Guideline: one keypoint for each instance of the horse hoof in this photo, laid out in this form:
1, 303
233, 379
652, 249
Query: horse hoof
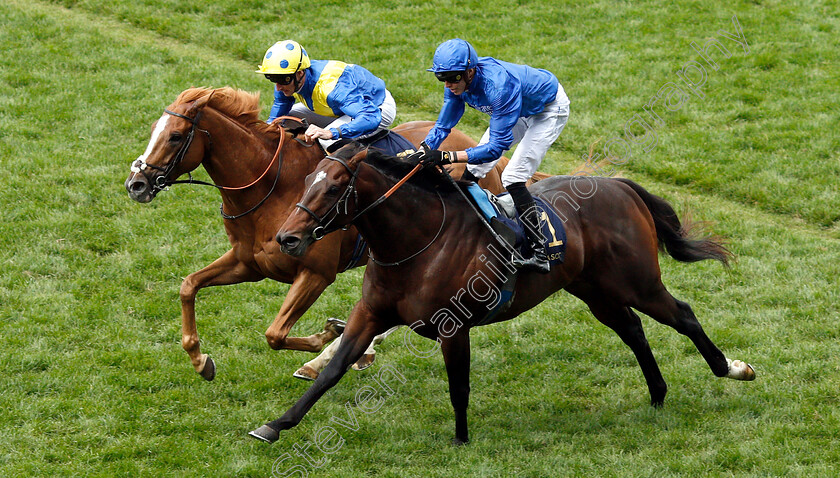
749, 373
306, 373
208, 372
335, 326
364, 362
265, 433
739, 370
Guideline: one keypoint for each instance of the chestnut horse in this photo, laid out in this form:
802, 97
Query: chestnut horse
259, 182
613, 229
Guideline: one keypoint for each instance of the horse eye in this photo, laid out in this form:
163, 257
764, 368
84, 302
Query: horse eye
175, 137
332, 190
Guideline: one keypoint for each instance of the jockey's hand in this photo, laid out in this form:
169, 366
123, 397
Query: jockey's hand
414, 156
314, 132
436, 157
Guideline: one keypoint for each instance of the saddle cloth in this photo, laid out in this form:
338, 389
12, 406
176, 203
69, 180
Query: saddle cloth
501, 209
387, 141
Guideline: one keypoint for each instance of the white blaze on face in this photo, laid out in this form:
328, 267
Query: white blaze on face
159, 127
318, 178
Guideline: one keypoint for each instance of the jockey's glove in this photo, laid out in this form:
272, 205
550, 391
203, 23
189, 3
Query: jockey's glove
436, 157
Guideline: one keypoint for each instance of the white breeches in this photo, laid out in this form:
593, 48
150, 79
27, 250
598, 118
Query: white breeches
533, 135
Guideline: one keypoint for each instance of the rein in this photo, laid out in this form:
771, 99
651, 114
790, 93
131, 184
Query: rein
163, 181
323, 229
277, 157
442, 222
391, 191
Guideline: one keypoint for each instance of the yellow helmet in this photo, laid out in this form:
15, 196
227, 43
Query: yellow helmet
284, 58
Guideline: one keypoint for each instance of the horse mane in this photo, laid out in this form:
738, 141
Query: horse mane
396, 168
242, 106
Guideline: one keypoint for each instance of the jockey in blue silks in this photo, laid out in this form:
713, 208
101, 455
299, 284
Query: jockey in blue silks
526, 106
338, 99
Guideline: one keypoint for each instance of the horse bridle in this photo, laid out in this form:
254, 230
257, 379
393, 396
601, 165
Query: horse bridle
324, 226
163, 181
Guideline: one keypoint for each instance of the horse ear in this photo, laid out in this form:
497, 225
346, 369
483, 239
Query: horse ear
357, 158
200, 103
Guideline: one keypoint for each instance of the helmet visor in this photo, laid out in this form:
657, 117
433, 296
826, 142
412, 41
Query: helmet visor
449, 76
280, 79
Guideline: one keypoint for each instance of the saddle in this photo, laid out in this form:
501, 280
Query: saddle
386, 140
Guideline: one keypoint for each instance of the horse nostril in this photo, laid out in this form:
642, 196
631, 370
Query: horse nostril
289, 242
137, 187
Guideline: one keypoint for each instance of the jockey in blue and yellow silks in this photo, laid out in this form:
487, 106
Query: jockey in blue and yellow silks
338, 99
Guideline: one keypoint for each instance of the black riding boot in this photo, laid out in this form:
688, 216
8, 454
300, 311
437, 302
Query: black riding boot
528, 212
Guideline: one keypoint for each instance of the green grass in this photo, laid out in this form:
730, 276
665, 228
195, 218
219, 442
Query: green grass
93, 381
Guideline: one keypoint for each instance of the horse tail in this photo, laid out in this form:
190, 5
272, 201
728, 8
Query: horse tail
675, 237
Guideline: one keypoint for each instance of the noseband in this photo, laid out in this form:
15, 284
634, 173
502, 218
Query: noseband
162, 181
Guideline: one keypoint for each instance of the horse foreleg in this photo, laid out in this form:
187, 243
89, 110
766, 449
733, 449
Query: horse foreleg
361, 328
305, 290
223, 271
456, 356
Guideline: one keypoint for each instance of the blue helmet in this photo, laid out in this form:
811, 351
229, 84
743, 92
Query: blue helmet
454, 55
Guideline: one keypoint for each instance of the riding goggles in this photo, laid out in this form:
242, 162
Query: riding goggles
450, 76
280, 79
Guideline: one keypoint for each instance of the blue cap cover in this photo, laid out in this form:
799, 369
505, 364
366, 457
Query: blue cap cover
454, 55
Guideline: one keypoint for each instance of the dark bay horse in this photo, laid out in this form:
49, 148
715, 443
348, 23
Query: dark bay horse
614, 229
221, 130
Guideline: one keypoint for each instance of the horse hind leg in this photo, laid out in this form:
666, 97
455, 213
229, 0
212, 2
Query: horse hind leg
664, 308
310, 370
370, 354
624, 322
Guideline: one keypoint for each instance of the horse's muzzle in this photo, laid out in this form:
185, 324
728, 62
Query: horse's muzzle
138, 188
291, 244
